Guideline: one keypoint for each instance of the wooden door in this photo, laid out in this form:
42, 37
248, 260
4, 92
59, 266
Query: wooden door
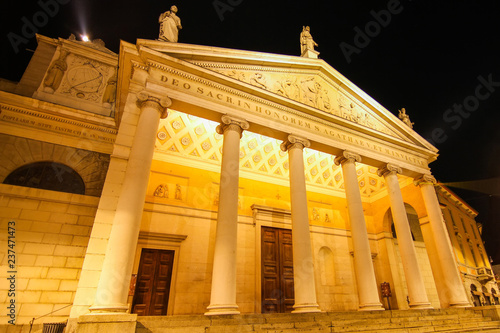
277, 270
153, 282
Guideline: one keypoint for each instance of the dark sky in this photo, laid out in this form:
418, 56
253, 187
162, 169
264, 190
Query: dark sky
434, 58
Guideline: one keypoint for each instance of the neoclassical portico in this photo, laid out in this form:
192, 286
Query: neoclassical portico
298, 108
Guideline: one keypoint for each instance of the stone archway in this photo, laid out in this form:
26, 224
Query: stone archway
91, 166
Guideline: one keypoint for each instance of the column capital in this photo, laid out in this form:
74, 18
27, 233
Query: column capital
160, 103
425, 180
389, 168
347, 156
232, 123
294, 142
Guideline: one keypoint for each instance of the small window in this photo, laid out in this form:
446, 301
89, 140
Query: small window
48, 176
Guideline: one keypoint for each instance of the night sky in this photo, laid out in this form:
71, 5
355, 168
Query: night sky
437, 59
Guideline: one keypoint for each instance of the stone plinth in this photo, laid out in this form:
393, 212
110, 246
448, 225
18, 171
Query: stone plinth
109, 323
310, 54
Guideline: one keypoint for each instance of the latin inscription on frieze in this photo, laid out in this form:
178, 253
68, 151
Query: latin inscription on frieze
249, 105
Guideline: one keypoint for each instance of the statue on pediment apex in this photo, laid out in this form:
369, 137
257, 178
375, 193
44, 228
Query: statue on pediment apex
405, 117
307, 44
170, 24
306, 40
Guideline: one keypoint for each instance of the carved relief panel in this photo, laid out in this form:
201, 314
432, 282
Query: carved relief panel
83, 80
167, 188
312, 90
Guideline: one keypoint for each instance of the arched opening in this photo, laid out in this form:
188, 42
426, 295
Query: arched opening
486, 296
413, 221
495, 296
476, 295
47, 176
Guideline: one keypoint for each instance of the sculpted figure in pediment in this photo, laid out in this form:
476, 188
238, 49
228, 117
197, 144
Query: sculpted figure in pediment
310, 91
237, 75
324, 100
258, 80
289, 88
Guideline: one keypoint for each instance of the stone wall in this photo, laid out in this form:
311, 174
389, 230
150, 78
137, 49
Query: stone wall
51, 232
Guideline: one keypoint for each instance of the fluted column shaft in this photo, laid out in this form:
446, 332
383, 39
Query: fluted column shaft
363, 266
223, 296
414, 281
303, 269
113, 287
455, 292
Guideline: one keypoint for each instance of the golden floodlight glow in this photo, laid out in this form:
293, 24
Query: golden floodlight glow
260, 156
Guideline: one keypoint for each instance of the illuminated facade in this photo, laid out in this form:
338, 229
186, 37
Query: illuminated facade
473, 261
182, 179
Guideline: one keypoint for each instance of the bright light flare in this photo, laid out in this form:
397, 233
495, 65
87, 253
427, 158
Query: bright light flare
85, 38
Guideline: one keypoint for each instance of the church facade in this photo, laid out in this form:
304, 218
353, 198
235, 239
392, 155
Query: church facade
182, 179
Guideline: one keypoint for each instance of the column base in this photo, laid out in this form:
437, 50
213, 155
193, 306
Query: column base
421, 306
109, 323
113, 308
460, 305
371, 307
222, 309
306, 308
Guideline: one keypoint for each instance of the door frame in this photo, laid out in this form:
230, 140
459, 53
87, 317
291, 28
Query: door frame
264, 216
158, 241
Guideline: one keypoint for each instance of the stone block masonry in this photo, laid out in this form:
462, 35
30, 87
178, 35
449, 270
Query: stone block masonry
52, 235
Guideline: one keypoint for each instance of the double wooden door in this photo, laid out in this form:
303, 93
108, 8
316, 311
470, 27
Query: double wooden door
277, 270
153, 282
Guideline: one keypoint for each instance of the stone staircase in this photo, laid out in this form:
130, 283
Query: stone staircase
440, 320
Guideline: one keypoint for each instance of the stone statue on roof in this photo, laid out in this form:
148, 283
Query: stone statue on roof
170, 24
307, 44
405, 117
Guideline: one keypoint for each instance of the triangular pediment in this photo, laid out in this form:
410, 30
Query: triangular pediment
311, 83
299, 95
310, 88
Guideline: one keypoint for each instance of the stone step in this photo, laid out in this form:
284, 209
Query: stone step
423, 321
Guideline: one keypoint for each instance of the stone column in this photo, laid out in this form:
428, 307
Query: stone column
223, 296
414, 281
454, 288
363, 265
113, 287
303, 270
